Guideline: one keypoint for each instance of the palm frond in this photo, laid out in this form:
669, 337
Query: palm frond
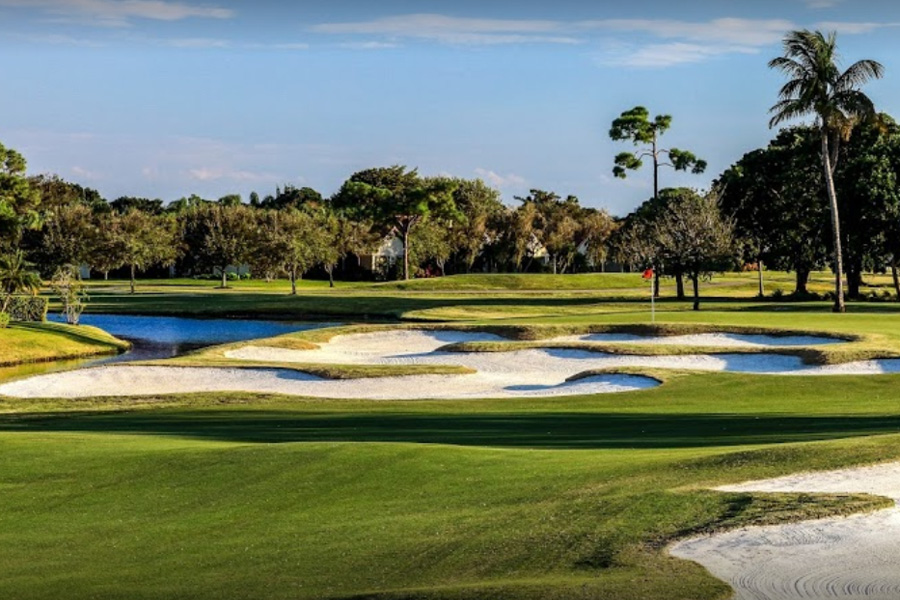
859, 73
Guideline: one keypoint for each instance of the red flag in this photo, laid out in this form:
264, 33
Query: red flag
648, 274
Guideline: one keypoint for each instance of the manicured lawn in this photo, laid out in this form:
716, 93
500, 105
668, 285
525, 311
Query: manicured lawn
242, 497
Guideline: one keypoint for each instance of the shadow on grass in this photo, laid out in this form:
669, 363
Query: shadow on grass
539, 431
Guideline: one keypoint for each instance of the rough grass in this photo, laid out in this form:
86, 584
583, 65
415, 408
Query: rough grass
42, 342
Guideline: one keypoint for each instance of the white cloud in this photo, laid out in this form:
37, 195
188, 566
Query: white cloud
368, 45
221, 173
83, 173
500, 181
455, 30
728, 31
667, 55
120, 13
196, 43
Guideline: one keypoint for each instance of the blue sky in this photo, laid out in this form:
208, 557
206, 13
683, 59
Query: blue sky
166, 98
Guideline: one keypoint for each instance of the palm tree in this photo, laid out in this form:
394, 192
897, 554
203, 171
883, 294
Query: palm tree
16, 276
816, 86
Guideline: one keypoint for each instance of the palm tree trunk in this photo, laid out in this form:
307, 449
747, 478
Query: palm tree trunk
839, 305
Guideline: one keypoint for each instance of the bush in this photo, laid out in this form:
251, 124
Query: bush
778, 294
27, 308
4, 320
247, 276
232, 276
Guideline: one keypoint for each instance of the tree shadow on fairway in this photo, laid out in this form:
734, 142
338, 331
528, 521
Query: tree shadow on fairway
538, 431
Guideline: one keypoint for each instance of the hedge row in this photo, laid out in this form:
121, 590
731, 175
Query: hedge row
28, 308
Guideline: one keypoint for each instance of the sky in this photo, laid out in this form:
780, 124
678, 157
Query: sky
166, 98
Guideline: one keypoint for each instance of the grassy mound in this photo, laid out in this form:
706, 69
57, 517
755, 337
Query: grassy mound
42, 342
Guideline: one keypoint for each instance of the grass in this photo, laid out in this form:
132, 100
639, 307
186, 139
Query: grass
42, 342
239, 496
236, 495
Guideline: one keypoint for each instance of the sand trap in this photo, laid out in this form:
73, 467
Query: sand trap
854, 557
712, 340
534, 372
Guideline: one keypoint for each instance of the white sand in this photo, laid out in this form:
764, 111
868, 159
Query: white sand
849, 558
536, 372
713, 340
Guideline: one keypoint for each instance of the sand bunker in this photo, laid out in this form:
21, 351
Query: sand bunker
520, 373
850, 558
711, 340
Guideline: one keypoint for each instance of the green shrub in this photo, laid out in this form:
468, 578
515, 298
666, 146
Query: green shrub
27, 308
4, 320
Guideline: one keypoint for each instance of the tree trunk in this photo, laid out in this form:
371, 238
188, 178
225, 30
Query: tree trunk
553, 260
679, 285
839, 305
132, 279
105, 275
293, 273
406, 253
802, 280
656, 283
896, 276
224, 278
696, 281
854, 278
759, 269
330, 270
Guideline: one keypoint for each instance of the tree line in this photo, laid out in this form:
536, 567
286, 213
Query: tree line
443, 224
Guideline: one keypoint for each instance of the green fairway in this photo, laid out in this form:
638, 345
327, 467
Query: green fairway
242, 497
237, 495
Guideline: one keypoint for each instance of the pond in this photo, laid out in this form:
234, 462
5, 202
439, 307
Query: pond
164, 337
154, 338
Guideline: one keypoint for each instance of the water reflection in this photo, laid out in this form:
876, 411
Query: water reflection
154, 338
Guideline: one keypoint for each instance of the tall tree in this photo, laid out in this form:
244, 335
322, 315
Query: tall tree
816, 86
146, 240
636, 127
67, 237
226, 235
479, 204
777, 200
19, 200
398, 199
597, 228
692, 232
